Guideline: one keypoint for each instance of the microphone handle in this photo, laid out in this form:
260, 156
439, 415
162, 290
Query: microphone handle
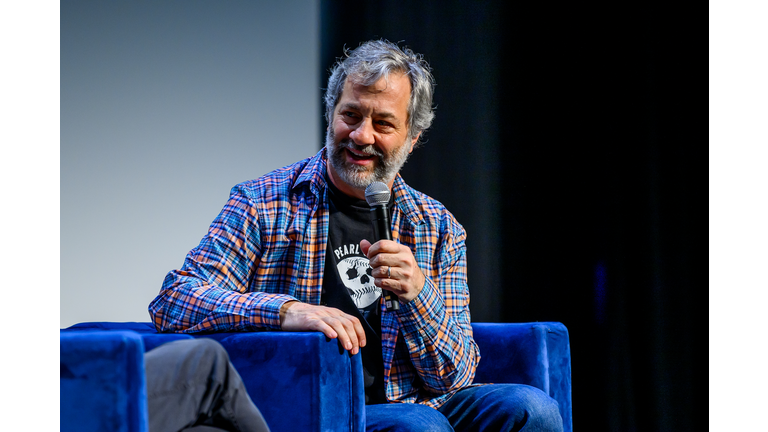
383, 231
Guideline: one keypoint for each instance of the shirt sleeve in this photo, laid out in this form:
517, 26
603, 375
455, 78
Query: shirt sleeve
436, 324
211, 290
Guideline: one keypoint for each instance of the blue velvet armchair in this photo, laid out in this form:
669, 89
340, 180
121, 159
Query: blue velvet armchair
299, 381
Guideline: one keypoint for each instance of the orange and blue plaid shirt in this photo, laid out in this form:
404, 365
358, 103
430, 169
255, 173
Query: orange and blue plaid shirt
267, 247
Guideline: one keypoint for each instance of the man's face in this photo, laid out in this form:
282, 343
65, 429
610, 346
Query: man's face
368, 138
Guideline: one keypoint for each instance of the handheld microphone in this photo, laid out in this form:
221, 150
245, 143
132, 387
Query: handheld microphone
377, 196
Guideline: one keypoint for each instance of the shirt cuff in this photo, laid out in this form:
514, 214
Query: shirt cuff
428, 306
266, 311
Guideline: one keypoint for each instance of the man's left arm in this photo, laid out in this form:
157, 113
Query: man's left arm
434, 311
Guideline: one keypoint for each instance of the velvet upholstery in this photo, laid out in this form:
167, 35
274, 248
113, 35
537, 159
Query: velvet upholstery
536, 354
299, 381
101, 382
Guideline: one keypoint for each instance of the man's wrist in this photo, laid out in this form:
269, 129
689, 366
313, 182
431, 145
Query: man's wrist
426, 307
284, 309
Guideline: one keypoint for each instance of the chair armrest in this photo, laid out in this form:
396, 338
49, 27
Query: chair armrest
299, 381
536, 354
151, 338
102, 382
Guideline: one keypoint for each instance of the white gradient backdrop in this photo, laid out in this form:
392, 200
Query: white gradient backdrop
164, 107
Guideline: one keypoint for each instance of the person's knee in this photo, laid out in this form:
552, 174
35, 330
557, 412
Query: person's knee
398, 417
190, 361
210, 349
537, 410
209, 357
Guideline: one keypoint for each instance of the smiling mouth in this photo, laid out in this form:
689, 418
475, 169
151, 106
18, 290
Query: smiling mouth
360, 156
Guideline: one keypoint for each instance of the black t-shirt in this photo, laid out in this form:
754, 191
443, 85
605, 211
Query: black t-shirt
348, 284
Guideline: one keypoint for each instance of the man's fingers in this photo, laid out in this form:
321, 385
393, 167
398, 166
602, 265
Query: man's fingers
364, 246
327, 330
358, 329
385, 272
395, 269
348, 330
381, 246
332, 322
348, 335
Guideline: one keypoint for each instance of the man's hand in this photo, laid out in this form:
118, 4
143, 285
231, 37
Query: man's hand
332, 322
394, 268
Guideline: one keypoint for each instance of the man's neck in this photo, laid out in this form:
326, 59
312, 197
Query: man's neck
343, 187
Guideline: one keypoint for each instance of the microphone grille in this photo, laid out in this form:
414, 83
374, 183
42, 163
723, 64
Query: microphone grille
377, 193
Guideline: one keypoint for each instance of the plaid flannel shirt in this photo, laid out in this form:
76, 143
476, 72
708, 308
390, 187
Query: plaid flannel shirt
267, 247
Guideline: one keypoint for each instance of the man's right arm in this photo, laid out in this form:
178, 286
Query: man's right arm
211, 290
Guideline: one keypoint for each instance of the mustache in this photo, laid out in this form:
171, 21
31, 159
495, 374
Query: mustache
368, 149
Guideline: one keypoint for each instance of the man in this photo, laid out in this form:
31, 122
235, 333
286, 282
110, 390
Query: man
291, 251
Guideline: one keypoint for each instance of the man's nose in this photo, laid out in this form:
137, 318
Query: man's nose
363, 134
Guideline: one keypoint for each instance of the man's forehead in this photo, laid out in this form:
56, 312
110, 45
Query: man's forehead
382, 84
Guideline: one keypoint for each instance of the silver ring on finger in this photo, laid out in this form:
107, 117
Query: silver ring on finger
389, 272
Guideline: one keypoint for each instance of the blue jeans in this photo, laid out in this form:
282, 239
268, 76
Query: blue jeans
493, 407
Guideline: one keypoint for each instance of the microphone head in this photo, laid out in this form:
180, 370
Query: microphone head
376, 194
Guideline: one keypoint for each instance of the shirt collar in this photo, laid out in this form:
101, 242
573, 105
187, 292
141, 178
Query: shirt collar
313, 174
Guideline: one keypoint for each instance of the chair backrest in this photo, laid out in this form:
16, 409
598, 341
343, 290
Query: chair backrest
537, 354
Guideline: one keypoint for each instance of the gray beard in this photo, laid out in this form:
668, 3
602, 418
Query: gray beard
385, 167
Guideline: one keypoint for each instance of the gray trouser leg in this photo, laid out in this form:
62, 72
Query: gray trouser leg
191, 382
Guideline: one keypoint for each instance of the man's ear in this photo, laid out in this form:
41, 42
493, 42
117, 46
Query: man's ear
413, 142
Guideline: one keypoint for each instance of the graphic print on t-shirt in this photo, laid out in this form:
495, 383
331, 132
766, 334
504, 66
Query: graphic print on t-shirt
355, 272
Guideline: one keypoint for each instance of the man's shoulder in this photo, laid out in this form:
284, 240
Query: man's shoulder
422, 208
281, 181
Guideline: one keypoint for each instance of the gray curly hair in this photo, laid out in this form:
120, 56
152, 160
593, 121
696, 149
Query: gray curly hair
375, 59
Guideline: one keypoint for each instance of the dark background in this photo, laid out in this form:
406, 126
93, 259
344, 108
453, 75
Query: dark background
570, 141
